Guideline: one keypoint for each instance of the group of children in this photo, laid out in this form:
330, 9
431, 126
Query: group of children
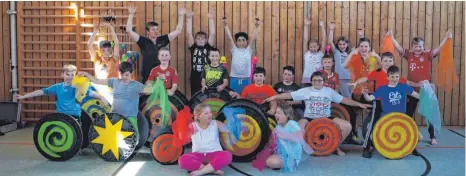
351, 84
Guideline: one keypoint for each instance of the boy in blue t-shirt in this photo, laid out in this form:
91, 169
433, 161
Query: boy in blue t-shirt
66, 101
392, 96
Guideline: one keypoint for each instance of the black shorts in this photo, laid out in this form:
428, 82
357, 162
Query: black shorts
309, 119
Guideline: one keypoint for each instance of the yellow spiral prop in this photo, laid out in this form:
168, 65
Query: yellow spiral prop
395, 135
249, 140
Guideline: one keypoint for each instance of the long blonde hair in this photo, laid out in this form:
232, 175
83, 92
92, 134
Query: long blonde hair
288, 111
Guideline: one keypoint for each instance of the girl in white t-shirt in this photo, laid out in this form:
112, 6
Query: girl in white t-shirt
207, 155
313, 53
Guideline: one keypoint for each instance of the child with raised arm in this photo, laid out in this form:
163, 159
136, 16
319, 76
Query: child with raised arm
151, 44
393, 99
106, 63
318, 99
214, 75
207, 154
360, 62
65, 92
199, 46
242, 50
340, 52
420, 67
313, 53
165, 71
125, 92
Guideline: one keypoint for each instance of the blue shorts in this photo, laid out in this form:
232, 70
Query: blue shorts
238, 84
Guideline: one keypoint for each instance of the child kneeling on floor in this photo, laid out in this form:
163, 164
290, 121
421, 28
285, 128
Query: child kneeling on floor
285, 149
207, 155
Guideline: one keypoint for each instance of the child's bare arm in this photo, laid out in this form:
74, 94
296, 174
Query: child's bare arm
147, 88
436, 51
93, 79
307, 23
116, 47
221, 127
90, 43
415, 95
211, 40
324, 37
36, 93
228, 33
331, 27
398, 47
172, 35
189, 28
252, 44
129, 24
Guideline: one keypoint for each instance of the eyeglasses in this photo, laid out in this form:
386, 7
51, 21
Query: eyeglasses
317, 80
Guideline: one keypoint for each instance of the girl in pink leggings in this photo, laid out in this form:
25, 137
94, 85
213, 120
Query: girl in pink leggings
207, 155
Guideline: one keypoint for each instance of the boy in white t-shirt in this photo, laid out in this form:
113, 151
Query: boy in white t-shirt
318, 99
241, 55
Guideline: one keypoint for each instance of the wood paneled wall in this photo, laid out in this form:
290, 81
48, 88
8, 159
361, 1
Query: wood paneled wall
55, 33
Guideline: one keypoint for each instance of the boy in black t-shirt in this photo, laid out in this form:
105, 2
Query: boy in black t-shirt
151, 44
288, 85
214, 75
199, 47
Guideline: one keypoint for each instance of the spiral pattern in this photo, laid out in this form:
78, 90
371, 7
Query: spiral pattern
395, 135
215, 104
58, 137
163, 151
154, 114
249, 140
323, 135
94, 107
340, 112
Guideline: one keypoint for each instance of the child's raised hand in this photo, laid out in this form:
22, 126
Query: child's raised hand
449, 34
182, 11
321, 23
361, 31
258, 22
331, 25
131, 9
210, 15
189, 14
307, 21
224, 21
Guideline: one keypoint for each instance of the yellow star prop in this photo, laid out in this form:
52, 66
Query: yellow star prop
111, 137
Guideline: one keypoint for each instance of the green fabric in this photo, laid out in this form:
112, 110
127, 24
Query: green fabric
134, 122
160, 94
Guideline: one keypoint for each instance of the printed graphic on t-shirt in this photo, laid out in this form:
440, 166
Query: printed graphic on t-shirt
213, 76
319, 106
394, 98
414, 66
199, 59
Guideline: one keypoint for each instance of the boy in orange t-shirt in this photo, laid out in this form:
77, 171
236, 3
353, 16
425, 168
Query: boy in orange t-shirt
259, 91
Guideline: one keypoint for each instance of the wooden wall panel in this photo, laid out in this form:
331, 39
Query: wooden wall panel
53, 34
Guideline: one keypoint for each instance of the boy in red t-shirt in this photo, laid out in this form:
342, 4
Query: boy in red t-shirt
332, 79
420, 66
164, 71
259, 91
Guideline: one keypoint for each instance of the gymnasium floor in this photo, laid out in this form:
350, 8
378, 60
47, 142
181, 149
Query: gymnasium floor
18, 156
